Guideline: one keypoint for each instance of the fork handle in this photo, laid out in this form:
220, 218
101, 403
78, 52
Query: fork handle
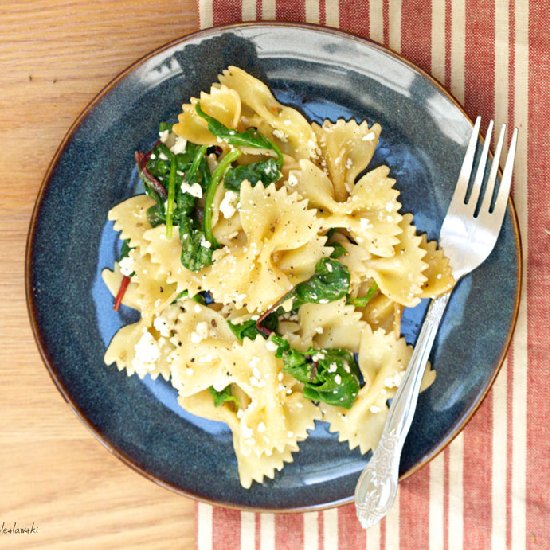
377, 487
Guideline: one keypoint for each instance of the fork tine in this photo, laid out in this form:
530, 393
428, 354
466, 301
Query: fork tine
486, 205
480, 173
464, 177
506, 181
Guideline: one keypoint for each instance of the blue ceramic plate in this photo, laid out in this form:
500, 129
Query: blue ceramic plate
325, 74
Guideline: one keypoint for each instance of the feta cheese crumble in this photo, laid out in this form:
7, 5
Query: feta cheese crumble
228, 204
279, 134
146, 354
200, 333
194, 190
127, 266
365, 223
161, 325
393, 381
270, 345
179, 146
292, 179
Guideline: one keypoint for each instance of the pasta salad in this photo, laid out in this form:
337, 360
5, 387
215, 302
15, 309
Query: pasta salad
271, 271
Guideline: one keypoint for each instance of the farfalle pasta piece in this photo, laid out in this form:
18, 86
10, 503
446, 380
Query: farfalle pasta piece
439, 275
251, 467
401, 276
204, 354
274, 223
156, 293
380, 312
347, 148
290, 164
287, 126
203, 343
197, 367
370, 214
113, 280
267, 427
130, 217
354, 259
277, 416
148, 291
228, 230
382, 359
257, 468
137, 349
221, 103
165, 254
226, 220
332, 325
297, 263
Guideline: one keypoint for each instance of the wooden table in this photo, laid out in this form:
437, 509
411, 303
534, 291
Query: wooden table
55, 56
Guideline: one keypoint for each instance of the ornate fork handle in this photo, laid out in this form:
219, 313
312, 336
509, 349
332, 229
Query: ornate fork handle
377, 486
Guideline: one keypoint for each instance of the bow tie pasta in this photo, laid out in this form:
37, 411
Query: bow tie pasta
347, 149
281, 249
370, 213
270, 268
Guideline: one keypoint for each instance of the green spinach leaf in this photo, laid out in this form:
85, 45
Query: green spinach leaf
249, 138
328, 375
249, 329
125, 249
194, 255
338, 250
224, 396
362, 301
266, 171
330, 282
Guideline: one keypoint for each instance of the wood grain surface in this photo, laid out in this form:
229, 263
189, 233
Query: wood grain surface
54, 57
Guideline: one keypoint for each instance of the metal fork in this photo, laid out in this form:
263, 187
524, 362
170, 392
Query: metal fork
468, 234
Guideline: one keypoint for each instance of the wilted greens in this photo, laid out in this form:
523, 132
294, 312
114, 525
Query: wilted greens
328, 375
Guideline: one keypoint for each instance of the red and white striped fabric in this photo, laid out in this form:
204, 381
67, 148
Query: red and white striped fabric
489, 488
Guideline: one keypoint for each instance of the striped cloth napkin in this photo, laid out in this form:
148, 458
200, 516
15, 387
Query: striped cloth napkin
489, 488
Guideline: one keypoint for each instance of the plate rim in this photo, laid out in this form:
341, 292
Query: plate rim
449, 436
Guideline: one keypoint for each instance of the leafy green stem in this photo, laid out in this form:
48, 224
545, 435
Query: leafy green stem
217, 176
191, 175
170, 201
